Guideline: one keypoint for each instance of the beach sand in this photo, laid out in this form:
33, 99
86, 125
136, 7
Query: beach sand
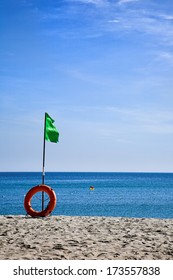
82, 238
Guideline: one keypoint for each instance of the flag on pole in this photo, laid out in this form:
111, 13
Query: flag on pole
51, 133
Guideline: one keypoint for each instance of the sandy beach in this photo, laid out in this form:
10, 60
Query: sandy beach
82, 238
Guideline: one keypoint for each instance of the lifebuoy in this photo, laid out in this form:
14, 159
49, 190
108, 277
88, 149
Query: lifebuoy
51, 205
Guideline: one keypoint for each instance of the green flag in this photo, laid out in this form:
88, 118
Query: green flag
51, 133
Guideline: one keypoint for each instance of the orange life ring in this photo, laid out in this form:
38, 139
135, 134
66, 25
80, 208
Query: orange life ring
51, 204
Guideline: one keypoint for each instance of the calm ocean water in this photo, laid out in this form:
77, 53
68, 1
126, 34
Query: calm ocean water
115, 194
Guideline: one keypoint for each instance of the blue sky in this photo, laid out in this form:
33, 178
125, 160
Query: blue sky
103, 69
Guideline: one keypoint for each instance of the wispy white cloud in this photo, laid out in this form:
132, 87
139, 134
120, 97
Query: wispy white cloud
143, 21
104, 2
95, 2
120, 2
153, 120
165, 56
166, 16
105, 16
85, 76
123, 119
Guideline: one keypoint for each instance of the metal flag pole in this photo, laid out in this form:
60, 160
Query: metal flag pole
43, 170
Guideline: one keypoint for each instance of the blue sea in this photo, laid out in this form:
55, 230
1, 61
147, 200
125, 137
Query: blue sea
148, 195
